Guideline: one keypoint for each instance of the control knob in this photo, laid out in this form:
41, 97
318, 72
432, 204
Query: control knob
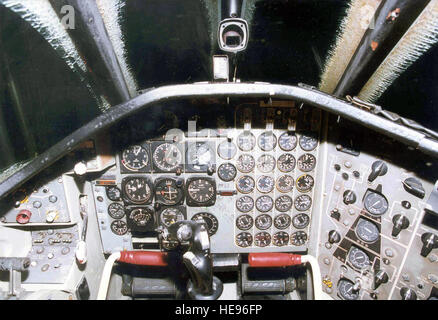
380, 277
408, 294
349, 197
400, 223
334, 236
378, 168
430, 241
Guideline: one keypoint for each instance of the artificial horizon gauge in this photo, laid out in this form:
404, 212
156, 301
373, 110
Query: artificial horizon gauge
262, 239
116, 210
135, 158
265, 184
263, 222
308, 142
119, 227
264, 203
285, 183
306, 162
305, 183
200, 156
246, 141
367, 231
201, 191
244, 239
245, 204
170, 216
267, 141
227, 150
303, 202
282, 221
137, 190
141, 216
227, 172
244, 222
245, 184
169, 191
286, 162
113, 193
245, 163
280, 239
346, 290
167, 157
266, 163
287, 141
298, 238
283, 203
301, 220
358, 258
375, 203
210, 220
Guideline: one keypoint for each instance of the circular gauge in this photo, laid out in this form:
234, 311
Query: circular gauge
262, 239
301, 220
358, 258
201, 190
141, 216
167, 157
244, 239
263, 222
116, 211
113, 193
287, 141
280, 239
267, 141
286, 162
285, 183
119, 227
375, 203
171, 215
245, 184
266, 163
227, 150
264, 203
305, 183
303, 202
168, 191
283, 203
282, 221
306, 162
246, 141
265, 184
298, 238
367, 231
308, 142
245, 204
227, 172
138, 190
200, 156
244, 222
346, 290
245, 163
210, 220
135, 158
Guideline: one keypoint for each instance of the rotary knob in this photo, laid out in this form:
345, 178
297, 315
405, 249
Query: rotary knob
408, 294
400, 223
430, 241
378, 168
380, 277
334, 236
349, 197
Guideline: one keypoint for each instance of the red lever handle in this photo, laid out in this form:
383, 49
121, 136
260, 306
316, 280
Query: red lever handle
273, 259
144, 258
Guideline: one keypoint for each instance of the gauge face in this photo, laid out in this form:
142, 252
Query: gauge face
262, 239
245, 184
303, 202
263, 222
244, 222
167, 157
280, 239
308, 142
298, 238
358, 258
286, 162
138, 190
376, 204
170, 216
200, 156
305, 183
264, 203
116, 211
227, 172
306, 162
283, 203
267, 141
113, 193
245, 204
367, 231
141, 216
266, 163
246, 141
202, 191
168, 191
244, 239
301, 220
210, 220
285, 183
265, 184
346, 291
119, 227
135, 158
282, 221
227, 150
288, 141
245, 163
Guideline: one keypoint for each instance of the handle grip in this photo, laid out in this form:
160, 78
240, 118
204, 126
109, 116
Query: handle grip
273, 259
144, 258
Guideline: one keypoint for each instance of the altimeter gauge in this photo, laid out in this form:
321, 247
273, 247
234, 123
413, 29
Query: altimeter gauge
135, 158
137, 190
